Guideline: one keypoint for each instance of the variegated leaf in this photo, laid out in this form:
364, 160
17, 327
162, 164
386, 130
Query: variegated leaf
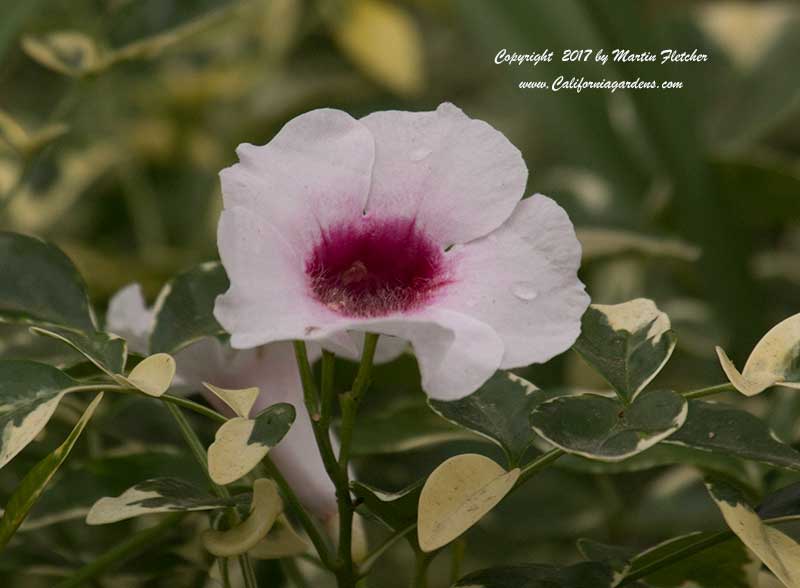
457, 495
602, 428
627, 344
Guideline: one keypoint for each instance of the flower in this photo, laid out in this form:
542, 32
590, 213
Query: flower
409, 224
270, 367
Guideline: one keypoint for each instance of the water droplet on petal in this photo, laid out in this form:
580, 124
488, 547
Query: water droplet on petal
419, 154
524, 291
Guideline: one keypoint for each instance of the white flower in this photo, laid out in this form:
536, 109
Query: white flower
270, 367
402, 223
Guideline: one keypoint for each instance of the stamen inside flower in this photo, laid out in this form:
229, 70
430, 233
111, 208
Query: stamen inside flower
374, 268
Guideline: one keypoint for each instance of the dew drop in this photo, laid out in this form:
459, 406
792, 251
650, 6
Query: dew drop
524, 291
419, 154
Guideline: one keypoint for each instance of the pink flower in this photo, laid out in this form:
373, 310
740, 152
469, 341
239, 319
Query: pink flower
408, 224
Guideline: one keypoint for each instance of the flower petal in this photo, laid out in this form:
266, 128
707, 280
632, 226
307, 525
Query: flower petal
522, 281
315, 172
128, 317
458, 177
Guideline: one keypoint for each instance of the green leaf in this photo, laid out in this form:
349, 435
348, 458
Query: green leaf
779, 552
720, 428
240, 444
582, 575
614, 556
40, 285
781, 503
107, 352
397, 510
184, 311
403, 429
34, 483
726, 564
498, 411
29, 395
155, 496
627, 343
602, 428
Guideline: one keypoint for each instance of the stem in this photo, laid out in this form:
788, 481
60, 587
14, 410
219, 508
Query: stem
292, 573
199, 452
194, 406
370, 560
538, 464
125, 550
420, 579
349, 404
311, 529
328, 371
710, 541
459, 548
702, 392
310, 394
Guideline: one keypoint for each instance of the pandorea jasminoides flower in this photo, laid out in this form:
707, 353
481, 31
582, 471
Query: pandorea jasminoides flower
270, 367
409, 224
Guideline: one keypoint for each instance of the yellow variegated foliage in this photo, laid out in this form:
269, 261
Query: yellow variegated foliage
384, 41
231, 456
779, 552
153, 375
240, 401
264, 511
67, 52
772, 361
457, 495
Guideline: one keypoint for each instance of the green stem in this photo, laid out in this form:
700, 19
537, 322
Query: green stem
310, 393
423, 562
311, 529
366, 566
292, 573
194, 407
350, 402
140, 542
222, 562
702, 392
199, 452
697, 547
328, 372
459, 547
538, 464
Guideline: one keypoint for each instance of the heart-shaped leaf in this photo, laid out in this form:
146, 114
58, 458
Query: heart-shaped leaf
184, 311
779, 552
153, 375
240, 443
40, 285
721, 428
774, 361
107, 352
627, 343
34, 483
155, 496
240, 401
602, 428
264, 510
498, 411
582, 575
457, 495
29, 395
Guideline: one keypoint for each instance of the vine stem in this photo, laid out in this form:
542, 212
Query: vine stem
122, 551
349, 403
423, 562
199, 453
711, 390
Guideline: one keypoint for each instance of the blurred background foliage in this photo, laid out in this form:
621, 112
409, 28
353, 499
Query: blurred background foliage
116, 116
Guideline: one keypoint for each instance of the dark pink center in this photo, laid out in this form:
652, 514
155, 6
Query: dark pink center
374, 268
